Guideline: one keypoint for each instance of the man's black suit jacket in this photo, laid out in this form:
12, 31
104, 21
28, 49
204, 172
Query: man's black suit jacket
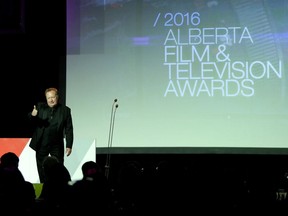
39, 122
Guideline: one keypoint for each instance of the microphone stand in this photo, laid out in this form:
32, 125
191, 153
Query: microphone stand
110, 137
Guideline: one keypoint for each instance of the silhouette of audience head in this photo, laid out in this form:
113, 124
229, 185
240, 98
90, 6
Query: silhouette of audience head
91, 169
92, 190
49, 162
17, 195
54, 170
9, 160
55, 192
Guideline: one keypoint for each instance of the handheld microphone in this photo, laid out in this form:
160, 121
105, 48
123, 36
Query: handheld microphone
110, 137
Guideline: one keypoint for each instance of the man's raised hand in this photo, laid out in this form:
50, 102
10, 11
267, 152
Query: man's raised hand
34, 111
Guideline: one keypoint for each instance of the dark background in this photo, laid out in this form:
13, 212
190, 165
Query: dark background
33, 58
33, 49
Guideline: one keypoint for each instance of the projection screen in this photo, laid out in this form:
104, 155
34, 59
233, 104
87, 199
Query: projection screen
186, 75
